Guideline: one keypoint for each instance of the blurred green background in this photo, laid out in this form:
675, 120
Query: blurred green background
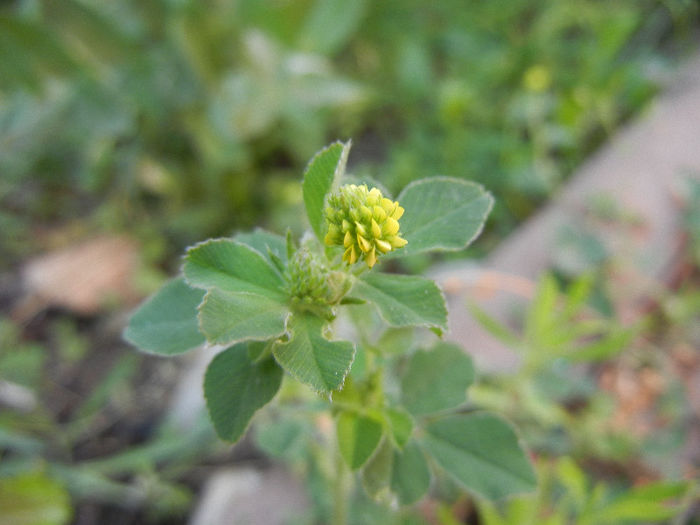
177, 120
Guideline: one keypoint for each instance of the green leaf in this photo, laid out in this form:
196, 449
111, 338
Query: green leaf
22, 364
285, 439
232, 267
541, 316
660, 490
310, 357
330, 24
322, 173
636, 511
658, 501
16, 69
265, 243
166, 323
229, 317
606, 347
235, 388
436, 380
493, 325
39, 49
442, 213
482, 452
101, 38
410, 476
574, 480
523, 509
376, 474
33, 499
358, 437
258, 349
400, 424
403, 300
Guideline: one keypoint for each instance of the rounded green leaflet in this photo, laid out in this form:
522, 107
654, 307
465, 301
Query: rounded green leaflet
358, 437
166, 323
403, 300
231, 266
310, 357
410, 477
442, 214
235, 388
436, 380
229, 317
376, 473
482, 452
323, 172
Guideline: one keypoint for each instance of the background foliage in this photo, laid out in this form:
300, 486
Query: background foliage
179, 119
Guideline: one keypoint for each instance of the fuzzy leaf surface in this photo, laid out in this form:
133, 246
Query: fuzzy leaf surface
229, 317
235, 388
310, 357
436, 380
442, 213
321, 174
358, 437
482, 452
231, 267
403, 300
166, 323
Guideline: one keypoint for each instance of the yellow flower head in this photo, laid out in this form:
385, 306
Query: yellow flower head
364, 222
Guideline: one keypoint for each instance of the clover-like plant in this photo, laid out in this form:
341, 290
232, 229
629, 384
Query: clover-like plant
270, 303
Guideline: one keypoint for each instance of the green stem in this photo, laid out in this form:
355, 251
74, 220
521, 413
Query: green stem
341, 490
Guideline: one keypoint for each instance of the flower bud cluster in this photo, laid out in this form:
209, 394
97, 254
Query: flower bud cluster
364, 222
307, 277
311, 284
